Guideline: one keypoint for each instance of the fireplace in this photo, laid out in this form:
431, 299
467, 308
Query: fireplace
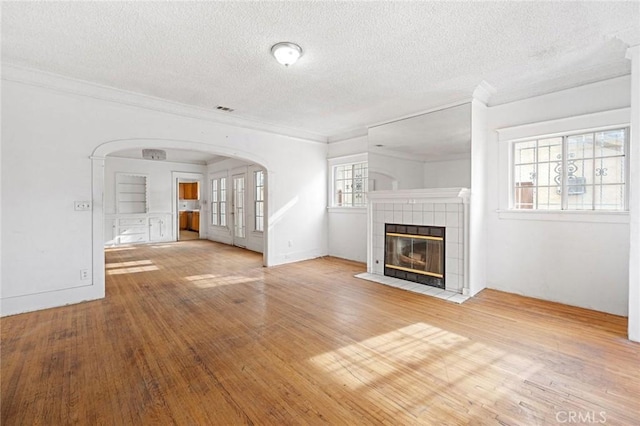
443, 211
415, 253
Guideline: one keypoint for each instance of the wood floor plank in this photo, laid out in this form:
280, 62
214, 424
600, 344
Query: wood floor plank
200, 333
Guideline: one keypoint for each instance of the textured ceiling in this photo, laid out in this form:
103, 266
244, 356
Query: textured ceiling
363, 63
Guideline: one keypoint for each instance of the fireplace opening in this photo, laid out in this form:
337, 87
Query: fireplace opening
415, 253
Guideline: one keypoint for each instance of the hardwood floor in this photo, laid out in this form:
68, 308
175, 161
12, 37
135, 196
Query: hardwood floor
200, 333
186, 235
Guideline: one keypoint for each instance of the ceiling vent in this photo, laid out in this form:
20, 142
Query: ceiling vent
224, 108
154, 154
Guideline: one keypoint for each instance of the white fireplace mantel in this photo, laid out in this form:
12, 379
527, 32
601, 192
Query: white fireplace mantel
424, 195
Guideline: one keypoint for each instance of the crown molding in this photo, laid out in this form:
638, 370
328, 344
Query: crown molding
483, 92
68, 85
630, 36
348, 134
428, 111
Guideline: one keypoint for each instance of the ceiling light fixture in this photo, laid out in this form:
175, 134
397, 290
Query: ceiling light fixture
154, 154
286, 53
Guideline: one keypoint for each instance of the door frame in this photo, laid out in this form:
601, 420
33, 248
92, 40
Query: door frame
176, 178
241, 171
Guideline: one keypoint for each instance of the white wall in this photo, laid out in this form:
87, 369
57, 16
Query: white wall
159, 182
348, 226
448, 174
477, 244
579, 260
48, 137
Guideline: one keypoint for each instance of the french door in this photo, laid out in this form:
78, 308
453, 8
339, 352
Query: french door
239, 210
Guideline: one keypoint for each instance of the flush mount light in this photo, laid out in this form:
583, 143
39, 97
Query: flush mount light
286, 53
154, 154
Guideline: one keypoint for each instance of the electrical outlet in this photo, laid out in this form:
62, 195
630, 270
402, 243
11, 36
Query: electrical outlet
84, 274
82, 205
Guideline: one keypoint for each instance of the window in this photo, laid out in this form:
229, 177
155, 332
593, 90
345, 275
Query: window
350, 185
239, 205
586, 171
258, 179
219, 201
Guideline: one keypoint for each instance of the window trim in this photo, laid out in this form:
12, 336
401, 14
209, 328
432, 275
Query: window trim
615, 118
342, 161
218, 177
256, 201
564, 199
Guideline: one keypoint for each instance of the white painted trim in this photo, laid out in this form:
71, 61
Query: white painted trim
97, 225
52, 299
565, 216
175, 217
337, 161
59, 83
483, 92
416, 114
108, 147
603, 120
348, 134
633, 53
577, 124
348, 159
434, 195
348, 210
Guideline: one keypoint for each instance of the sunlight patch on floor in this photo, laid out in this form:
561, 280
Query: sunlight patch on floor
211, 280
127, 264
419, 363
113, 249
133, 270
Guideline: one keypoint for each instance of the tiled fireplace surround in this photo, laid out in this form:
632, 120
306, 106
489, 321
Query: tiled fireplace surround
448, 207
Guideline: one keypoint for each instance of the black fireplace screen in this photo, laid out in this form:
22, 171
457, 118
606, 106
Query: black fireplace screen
415, 253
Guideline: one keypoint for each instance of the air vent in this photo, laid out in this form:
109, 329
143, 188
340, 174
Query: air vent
224, 108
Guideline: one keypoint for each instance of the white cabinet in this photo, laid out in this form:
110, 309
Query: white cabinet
157, 228
110, 231
138, 228
132, 230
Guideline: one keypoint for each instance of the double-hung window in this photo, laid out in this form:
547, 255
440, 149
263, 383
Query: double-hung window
258, 180
219, 201
581, 171
350, 185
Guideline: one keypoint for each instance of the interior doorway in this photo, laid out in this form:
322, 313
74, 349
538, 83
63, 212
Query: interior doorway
189, 200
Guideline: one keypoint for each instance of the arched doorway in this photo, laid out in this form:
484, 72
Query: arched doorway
99, 157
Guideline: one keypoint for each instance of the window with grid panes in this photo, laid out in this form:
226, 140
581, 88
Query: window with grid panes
350, 185
258, 178
585, 171
218, 202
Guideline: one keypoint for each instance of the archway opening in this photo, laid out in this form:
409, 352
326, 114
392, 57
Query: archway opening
136, 200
